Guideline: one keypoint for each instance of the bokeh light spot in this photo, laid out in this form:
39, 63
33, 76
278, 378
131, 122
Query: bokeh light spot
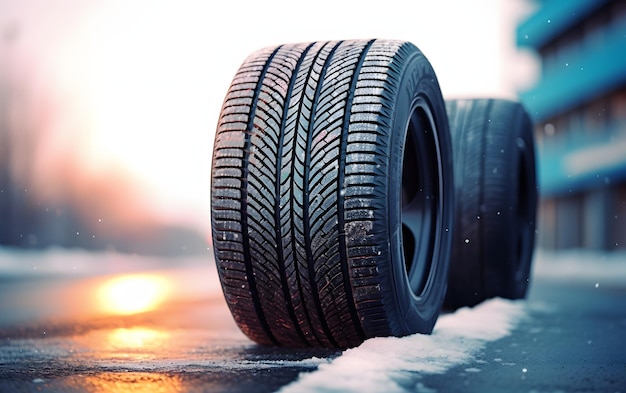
132, 294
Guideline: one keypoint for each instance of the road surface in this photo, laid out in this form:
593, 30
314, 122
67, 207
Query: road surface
57, 336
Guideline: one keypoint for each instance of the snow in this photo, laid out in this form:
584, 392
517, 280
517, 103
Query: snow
574, 265
385, 364
59, 262
581, 267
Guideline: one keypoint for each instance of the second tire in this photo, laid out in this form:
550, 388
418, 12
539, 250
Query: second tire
496, 200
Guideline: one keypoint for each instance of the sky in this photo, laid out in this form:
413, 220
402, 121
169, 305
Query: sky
138, 85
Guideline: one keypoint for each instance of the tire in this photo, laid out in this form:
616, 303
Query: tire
316, 211
496, 201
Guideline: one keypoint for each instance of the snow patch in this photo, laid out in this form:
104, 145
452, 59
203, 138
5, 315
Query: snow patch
384, 364
69, 263
581, 266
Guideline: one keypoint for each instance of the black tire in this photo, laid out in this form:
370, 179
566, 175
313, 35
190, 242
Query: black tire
496, 201
332, 176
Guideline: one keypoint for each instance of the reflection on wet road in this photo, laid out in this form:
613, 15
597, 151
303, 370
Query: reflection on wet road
75, 331
127, 382
145, 328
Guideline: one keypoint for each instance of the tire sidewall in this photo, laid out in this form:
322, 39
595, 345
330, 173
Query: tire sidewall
496, 200
419, 87
517, 273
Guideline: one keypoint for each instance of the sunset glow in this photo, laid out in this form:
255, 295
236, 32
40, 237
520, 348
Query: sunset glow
133, 90
137, 338
133, 294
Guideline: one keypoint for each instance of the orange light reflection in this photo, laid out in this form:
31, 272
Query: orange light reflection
137, 338
135, 382
132, 294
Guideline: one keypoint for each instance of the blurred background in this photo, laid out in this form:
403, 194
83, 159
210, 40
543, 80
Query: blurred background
579, 106
108, 108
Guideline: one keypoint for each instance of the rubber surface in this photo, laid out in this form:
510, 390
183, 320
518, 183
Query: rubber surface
308, 196
496, 200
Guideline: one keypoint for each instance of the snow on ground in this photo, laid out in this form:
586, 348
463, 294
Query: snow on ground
570, 266
59, 262
581, 266
386, 364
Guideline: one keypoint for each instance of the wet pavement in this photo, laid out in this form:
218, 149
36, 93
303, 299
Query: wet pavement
574, 340
146, 325
61, 333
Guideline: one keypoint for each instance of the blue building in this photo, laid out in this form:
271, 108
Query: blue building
579, 108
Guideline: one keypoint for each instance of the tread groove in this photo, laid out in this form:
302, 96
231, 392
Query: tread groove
244, 190
277, 189
306, 202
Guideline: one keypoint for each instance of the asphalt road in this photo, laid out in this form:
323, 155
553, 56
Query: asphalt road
573, 340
